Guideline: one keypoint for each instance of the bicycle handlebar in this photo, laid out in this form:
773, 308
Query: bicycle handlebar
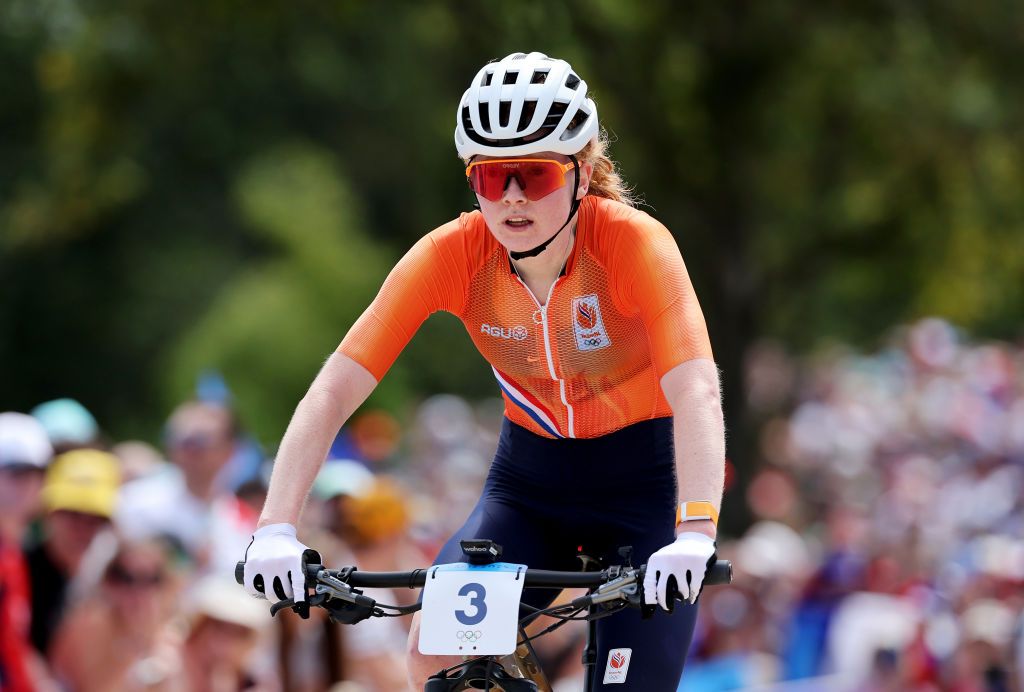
609, 590
719, 573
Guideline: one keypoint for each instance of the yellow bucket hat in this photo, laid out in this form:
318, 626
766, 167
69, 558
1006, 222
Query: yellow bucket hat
83, 480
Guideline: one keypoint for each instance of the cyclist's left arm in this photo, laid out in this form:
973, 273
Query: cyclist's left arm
655, 280
693, 391
652, 278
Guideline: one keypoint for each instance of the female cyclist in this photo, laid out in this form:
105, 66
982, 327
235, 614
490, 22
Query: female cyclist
613, 431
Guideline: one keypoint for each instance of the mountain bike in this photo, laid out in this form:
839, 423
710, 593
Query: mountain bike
512, 666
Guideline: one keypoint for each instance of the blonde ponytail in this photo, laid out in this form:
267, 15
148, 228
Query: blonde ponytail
606, 181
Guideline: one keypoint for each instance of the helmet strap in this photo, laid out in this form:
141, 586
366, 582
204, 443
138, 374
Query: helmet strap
572, 212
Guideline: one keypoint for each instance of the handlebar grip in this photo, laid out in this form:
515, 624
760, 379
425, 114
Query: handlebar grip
720, 573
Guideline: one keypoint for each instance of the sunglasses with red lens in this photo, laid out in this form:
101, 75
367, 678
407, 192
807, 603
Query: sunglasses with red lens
537, 178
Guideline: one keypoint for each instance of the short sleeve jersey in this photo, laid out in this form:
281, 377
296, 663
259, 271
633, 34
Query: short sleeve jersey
585, 360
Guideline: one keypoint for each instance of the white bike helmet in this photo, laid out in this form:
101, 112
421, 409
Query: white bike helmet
524, 104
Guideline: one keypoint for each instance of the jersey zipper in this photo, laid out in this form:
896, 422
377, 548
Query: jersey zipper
547, 348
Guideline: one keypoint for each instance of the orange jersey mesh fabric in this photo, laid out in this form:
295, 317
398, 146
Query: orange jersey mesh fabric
587, 362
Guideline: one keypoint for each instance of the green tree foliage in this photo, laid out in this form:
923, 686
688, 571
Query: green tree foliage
192, 185
271, 325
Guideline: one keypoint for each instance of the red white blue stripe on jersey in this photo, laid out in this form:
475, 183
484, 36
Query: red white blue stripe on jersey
528, 403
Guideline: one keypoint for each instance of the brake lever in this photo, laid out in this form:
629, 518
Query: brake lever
620, 588
333, 587
302, 608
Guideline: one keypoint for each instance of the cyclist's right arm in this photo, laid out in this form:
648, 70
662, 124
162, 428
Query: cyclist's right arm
432, 276
275, 554
338, 390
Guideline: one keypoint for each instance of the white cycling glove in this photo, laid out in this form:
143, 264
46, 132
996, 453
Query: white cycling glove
275, 555
687, 560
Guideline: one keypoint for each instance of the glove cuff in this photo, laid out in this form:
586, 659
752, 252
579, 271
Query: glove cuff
694, 536
275, 530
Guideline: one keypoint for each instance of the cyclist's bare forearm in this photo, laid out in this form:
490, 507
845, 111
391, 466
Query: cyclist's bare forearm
338, 390
692, 389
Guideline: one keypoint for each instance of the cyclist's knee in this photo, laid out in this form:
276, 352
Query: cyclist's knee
420, 665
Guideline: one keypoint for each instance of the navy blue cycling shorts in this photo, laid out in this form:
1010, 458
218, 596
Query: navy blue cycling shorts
544, 498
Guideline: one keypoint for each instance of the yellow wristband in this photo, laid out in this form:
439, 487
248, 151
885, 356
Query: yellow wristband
696, 511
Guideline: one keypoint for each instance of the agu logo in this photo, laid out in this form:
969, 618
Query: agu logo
518, 332
618, 666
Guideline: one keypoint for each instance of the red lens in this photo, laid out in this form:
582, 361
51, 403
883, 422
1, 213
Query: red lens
536, 178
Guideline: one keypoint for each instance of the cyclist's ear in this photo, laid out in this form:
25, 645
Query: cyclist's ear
586, 174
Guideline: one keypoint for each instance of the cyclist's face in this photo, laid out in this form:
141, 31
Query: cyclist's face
519, 223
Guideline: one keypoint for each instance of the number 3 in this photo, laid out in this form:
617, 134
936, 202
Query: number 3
476, 601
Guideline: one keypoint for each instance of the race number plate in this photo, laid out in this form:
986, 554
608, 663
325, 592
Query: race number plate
471, 610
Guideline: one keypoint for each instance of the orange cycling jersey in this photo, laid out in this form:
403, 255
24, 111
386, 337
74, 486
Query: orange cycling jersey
584, 362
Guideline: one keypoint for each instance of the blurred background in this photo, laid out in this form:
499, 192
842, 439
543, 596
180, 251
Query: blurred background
198, 199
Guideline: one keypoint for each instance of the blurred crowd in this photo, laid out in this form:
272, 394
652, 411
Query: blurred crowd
886, 553
117, 560
888, 547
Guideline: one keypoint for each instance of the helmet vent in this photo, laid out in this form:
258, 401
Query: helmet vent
529, 108
572, 81
539, 77
486, 81
510, 78
504, 111
555, 114
574, 124
485, 118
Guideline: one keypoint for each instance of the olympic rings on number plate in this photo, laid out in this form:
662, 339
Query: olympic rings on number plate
469, 635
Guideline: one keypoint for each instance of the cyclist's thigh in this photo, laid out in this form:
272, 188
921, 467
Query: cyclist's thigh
525, 537
649, 652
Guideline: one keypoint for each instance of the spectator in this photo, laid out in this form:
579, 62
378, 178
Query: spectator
68, 424
125, 625
225, 631
183, 501
372, 522
25, 451
79, 495
365, 518
138, 459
